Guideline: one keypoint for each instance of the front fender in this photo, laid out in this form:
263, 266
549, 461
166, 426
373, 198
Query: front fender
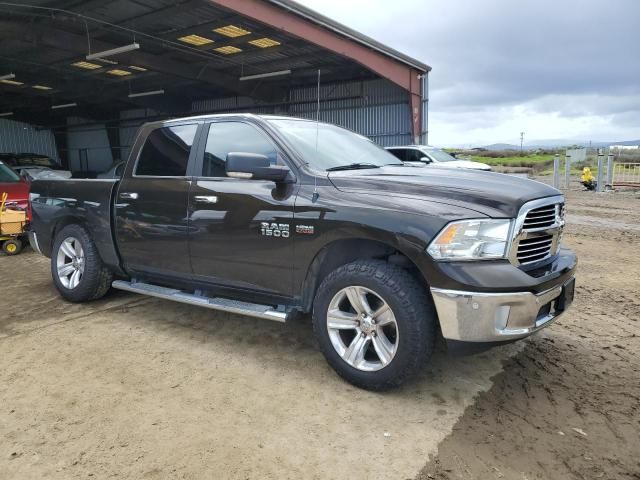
403, 225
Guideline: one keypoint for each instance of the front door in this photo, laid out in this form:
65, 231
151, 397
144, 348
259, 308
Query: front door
152, 204
240, 228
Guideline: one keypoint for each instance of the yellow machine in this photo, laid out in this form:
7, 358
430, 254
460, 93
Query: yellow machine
587, 179
12, 227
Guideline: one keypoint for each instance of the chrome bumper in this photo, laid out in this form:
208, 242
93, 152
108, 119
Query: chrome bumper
494, 317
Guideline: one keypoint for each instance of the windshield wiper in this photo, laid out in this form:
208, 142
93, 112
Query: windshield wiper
352, 166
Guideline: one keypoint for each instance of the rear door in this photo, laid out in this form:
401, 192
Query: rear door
241, 229
151, 206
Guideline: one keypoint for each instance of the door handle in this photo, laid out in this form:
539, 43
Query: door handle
129, 195
205, 199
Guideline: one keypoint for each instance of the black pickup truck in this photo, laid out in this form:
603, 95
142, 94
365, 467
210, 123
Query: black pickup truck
274, 217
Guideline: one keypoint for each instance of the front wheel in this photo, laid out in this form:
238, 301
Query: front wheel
375, 323
76, 266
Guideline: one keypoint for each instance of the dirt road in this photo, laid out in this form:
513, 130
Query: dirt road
132, 387
568, 405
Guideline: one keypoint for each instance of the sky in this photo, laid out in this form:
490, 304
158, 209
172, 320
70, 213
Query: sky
555, 69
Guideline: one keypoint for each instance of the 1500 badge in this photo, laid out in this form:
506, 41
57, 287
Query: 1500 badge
274, 229
282, 229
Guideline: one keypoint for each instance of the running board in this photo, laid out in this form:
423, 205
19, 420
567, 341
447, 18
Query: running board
266, 312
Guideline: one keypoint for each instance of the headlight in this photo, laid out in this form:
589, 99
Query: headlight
472, 240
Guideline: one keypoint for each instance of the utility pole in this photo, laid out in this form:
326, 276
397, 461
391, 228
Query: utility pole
521, 141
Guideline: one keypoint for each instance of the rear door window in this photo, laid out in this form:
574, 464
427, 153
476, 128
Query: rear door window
414, 155
227, 137
399, 153
166, 151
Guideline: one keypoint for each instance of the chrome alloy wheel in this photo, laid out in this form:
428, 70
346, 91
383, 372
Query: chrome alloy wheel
70, 262
362, 328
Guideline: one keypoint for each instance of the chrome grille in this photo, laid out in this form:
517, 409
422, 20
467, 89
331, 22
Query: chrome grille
542, 217
538, 230
534, 249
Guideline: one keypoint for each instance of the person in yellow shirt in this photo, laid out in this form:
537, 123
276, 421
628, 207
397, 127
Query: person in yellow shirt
587, 179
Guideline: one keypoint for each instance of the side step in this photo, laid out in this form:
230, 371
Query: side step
233, 306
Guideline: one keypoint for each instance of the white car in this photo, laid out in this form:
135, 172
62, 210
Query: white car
431, 155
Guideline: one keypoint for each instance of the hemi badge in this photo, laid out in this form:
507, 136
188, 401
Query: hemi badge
304, 229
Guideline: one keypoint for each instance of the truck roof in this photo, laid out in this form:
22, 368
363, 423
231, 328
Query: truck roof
226, 115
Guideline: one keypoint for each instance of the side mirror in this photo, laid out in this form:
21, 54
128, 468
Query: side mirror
425, 159
254, 166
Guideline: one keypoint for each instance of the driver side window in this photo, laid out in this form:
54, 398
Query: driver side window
226, 137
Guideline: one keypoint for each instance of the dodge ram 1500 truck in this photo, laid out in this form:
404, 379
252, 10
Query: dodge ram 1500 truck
274, 217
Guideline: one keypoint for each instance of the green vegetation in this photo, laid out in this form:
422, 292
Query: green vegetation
538, 161
531, 160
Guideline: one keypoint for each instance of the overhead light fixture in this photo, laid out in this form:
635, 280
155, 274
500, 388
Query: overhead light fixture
41, 87
64, 105
195, 40
118, 72
86, 65
265, 75
139, 69
9, 76
146, 94
228, 50
113, 51
6, 114
231, 31
264, 42
11, 82
106, 60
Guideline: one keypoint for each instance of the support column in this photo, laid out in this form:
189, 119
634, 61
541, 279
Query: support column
415, 103
60, 137
424, 137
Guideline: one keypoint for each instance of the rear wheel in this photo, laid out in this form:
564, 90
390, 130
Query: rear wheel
12, 246
76, 266
374, 323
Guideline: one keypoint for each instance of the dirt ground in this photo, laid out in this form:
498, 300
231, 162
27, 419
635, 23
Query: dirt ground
134, 387
568, 405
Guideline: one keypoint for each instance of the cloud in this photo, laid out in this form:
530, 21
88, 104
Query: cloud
568, 65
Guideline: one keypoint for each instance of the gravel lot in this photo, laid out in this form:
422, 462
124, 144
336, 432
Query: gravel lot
134, 387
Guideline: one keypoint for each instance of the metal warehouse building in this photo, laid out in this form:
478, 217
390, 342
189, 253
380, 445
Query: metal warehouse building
78, 77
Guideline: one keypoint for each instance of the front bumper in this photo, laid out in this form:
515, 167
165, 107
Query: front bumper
498, 317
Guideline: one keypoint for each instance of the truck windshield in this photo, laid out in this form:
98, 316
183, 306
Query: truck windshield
8, 175
326, 146
438, 155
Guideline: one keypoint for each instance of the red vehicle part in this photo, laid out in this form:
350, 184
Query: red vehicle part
17, 188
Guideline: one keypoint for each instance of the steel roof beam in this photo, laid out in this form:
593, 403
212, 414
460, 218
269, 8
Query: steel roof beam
76, 44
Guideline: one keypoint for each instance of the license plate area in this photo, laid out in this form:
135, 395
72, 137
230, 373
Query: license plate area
566, 295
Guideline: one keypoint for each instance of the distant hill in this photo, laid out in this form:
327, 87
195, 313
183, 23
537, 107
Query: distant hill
558, 142
626, 142
502, 146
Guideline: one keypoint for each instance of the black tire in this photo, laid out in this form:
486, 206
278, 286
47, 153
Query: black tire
414, 314
96, 278
12, 247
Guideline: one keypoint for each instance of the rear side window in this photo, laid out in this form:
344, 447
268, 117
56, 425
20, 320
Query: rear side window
226, 137
398, 153
414, 155
166, 151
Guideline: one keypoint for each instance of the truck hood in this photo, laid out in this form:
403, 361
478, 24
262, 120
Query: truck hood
492, 194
